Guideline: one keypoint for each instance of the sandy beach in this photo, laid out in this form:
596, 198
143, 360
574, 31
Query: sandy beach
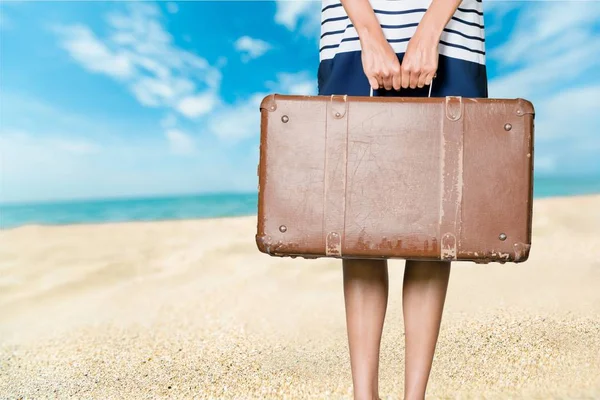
191, 309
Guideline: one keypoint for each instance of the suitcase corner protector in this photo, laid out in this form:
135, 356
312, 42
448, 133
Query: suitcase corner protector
263, 242
524, 107
268, 102
522, 251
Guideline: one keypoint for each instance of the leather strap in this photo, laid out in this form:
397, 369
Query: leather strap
334, 188
451, 177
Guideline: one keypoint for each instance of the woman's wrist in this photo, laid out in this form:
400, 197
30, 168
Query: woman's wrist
431, 27
370, 33
364, 20
436, 18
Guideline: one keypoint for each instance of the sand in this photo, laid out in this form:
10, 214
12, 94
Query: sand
191, 309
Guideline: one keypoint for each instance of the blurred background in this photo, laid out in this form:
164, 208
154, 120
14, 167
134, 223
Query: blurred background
147, 114
117, 111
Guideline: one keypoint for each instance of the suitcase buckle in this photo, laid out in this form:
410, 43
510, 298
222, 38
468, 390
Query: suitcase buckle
454, 107
339, 105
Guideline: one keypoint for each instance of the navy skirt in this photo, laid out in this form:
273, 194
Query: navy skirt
344, 74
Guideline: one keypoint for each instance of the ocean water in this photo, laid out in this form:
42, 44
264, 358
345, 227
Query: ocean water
201, 206
122, 210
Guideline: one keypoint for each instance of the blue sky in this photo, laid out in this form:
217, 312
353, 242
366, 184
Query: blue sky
138, 98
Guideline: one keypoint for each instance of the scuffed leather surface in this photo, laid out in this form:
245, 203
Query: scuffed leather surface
418, 178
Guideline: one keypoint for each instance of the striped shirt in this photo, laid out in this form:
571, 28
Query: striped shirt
463, 37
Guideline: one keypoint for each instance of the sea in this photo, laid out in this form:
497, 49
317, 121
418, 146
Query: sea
199, 206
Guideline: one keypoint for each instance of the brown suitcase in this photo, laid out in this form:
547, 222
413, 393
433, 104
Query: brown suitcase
444, 178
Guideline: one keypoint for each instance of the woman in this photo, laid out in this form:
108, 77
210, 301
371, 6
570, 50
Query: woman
397, 47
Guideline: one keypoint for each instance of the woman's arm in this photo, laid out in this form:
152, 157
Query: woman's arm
380, 63
421, 59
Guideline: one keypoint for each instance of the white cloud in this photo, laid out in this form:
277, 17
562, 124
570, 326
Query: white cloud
550, 48
139, 52
195, 106
170, 121
551, 59
90, 52
300, 83
251, 48
543, 77
66, 143
544, 30
76, 146
304, 88
21, 150
35, 166
180, 142
288, 12
572, 116
172, 7
152, 92
232, 123
499, 8
20, 112
238, 121
294, 14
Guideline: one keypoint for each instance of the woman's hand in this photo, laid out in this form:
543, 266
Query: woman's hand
419, 64
420, 61
380, 62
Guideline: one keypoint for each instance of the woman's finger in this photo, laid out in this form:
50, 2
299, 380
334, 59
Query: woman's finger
397, 80
423, 80
405, 73
396, 76
415, 74
387, 81
429, 78
373, 82
379, 81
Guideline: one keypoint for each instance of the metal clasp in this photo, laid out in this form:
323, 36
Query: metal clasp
454, 107
339, 105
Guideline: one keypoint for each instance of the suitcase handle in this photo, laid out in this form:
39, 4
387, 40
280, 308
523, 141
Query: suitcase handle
430, 85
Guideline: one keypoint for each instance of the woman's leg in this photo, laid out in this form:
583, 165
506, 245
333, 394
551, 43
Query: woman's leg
365, 296
423, 296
